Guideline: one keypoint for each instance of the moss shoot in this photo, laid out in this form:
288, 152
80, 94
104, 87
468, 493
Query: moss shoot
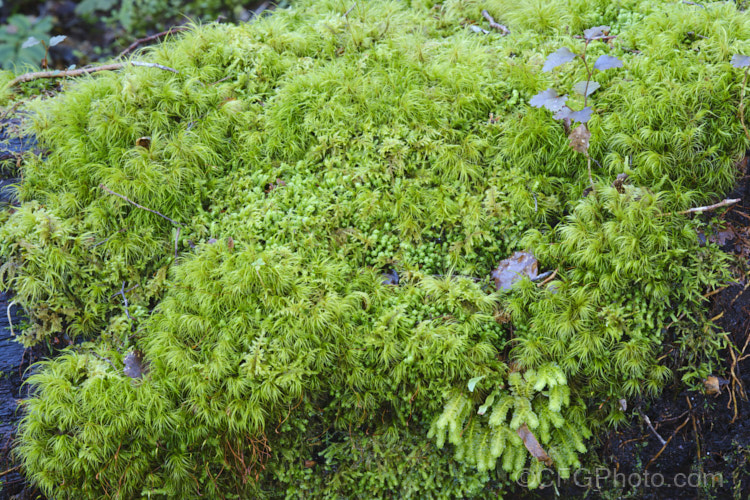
298, 164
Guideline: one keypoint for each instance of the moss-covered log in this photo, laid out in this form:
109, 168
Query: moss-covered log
307, 162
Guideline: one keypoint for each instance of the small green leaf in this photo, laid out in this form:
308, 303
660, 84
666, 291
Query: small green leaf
473, 382
56, 40
30, 42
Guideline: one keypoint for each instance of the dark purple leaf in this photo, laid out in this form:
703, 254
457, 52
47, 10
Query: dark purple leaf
580, 87
581, 116
595, 32
548, 99
559, 57
607, 62
390, 278
135, 365
563, 113
514, 268
740, 61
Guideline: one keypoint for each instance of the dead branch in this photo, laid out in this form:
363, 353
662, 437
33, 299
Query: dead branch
152, 38
696, 210
495, 25
105, 188
28, 77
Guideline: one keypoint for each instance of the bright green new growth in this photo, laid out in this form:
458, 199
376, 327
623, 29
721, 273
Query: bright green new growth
306, 155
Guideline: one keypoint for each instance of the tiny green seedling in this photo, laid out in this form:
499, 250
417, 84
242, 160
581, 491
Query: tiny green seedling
579, 137
32, 41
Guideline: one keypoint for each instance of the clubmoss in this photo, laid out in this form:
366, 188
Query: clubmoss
293, 162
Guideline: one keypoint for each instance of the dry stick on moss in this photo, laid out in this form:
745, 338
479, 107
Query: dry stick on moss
495, 25
152, 38
179, 226
697, 210
27, 77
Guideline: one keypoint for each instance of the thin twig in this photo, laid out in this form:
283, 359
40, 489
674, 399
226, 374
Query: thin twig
695, 431
696, 210
10, 320
548, 279
105, 188
126, 291
176, 238
495, 25
346, 14
152, 38
667, 443
125, 301
10, 470
107, 239
27, 77
648, 423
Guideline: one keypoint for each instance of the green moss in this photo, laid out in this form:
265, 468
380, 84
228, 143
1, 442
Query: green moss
305, 155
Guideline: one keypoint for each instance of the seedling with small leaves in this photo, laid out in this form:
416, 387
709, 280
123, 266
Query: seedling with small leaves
549, 99
32, 41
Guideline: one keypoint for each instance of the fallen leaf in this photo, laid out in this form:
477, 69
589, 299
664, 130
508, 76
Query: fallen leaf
711, 384
722, 237
579, 139
390, 278
514, 268
144, 142
623, 404
230, 243
135, 365
531, 443
310, 463
595, 32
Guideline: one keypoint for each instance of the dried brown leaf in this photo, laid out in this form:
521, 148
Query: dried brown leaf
579, 139
531, 443
144, 142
